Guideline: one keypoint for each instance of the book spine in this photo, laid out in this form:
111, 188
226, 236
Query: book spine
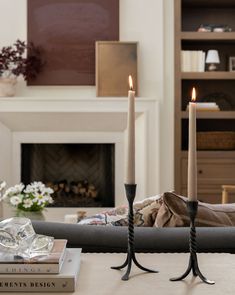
193, 61
6, 268
182, 61
37, 284
188, 61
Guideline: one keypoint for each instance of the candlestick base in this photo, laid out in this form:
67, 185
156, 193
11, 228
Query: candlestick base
193, 262
130, 194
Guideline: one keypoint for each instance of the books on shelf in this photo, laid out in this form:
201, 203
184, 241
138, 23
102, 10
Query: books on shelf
65, 281
206, 106
193, 61
51, 263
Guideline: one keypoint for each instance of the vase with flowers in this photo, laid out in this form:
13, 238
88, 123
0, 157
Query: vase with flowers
15, 63
29, 200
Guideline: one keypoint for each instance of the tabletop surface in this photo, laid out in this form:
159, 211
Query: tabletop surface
96, 277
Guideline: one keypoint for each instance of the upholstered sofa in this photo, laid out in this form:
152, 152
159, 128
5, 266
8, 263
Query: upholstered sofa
162, 225
147, 239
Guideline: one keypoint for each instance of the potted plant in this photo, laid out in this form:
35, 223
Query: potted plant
15, 63
29, 200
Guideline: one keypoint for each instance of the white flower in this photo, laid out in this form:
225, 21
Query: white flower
13, 191
27, 203
40, 199
15, 200
2, 185
47, 191
34, 187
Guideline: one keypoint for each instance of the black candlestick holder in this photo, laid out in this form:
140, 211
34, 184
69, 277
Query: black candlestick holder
193, 262
130, 194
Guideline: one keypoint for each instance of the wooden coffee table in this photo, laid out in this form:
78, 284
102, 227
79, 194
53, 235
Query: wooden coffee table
96, 277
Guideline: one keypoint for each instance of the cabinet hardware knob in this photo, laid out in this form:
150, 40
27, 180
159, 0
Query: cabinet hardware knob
200, 171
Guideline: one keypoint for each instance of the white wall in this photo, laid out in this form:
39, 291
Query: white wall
140, 20
167, 102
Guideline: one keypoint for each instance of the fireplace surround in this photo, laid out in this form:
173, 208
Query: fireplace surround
50, 120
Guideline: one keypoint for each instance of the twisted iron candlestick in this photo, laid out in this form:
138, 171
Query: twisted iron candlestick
193, 262
130, 194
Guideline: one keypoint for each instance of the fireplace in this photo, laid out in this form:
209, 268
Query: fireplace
82, 175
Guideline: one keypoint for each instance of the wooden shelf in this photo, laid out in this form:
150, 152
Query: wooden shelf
211, 154
189, 16
208, 75
208, 37
211, 115
209, 3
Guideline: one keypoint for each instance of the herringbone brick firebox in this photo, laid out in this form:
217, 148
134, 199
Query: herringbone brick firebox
82, 175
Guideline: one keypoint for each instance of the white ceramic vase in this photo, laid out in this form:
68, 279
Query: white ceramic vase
7, 86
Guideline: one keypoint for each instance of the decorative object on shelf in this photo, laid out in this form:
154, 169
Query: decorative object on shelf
193, 261
216, 140
231, 64
130, 186
192, 203
14, 63
212, 59
214, 28
7, 87
67, 31
17, 237
30, 199
204, 28
114, 62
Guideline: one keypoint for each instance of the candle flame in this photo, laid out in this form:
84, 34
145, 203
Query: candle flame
130, 82
194, 95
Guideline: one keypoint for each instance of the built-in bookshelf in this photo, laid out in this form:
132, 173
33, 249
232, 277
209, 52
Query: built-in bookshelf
215, 168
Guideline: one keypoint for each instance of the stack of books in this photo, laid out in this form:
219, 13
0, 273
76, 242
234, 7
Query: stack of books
193, 61
56, 272
206, 106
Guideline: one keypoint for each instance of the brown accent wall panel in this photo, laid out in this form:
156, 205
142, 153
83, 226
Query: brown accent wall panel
67, 30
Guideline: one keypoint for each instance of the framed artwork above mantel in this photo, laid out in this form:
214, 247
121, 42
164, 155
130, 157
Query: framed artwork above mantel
66, 32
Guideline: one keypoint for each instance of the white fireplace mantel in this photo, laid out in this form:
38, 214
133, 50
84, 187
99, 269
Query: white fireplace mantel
58, 119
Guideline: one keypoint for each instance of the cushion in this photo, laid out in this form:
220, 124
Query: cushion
145, 213
174, 213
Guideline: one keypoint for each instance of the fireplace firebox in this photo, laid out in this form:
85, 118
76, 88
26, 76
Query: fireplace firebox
82, 175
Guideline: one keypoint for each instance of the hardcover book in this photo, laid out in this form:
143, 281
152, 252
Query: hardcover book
65, 281
51, 263
206, 106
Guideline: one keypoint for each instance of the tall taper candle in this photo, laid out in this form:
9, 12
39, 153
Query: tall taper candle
192, 150
130, 152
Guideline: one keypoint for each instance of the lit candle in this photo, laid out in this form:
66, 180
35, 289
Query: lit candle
192, 150
130, 154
